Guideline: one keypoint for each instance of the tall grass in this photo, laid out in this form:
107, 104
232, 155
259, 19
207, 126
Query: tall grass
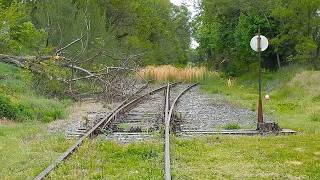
170, 73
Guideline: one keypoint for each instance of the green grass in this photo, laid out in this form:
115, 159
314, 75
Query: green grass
294, 103
26, 149
217, 157
107, 160
19, 101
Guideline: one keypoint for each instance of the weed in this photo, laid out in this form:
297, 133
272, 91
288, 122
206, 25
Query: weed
232, 126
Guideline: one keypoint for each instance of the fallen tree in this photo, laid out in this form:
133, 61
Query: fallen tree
109, 82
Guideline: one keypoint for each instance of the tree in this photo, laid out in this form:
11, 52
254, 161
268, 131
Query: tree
224, 29
17, 33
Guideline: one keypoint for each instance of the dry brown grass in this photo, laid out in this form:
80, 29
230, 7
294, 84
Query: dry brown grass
170, 73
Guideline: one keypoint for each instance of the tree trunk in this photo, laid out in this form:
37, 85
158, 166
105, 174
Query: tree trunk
278, 60
316, 58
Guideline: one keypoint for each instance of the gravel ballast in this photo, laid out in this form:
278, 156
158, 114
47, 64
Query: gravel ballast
201, 112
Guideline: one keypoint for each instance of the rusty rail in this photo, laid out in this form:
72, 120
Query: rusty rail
168, 114
167, 170
123, 107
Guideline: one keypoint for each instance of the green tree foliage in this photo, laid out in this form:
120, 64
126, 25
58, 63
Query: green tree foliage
17, 34
224, 29
157, 29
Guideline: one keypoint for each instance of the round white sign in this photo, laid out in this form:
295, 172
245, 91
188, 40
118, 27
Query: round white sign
263, 43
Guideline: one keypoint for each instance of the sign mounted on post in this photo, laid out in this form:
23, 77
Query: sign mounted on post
254, 43
259, 43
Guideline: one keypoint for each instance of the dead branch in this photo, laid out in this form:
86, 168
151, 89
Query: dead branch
70, 44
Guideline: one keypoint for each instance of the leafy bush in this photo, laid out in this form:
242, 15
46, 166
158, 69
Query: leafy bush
7, 108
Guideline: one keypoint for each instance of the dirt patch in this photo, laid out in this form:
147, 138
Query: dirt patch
77, 113
6, 122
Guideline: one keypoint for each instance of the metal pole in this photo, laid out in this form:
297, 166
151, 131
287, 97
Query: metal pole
260, 110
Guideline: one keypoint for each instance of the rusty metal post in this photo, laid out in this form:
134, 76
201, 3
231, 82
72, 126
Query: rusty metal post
260, 109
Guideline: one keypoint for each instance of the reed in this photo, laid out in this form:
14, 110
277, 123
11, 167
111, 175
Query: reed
170, 73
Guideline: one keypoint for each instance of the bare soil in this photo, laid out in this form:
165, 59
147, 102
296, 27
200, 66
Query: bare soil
77, 113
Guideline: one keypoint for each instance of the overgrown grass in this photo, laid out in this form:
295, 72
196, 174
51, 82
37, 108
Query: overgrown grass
271, 157
294, 103
107, 160
170, 73
27, 148
18, 101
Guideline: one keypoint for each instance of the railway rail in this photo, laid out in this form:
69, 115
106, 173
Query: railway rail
168, 114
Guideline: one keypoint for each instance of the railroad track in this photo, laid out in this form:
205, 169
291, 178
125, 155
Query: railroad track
169, 108
143, 113
110, 122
